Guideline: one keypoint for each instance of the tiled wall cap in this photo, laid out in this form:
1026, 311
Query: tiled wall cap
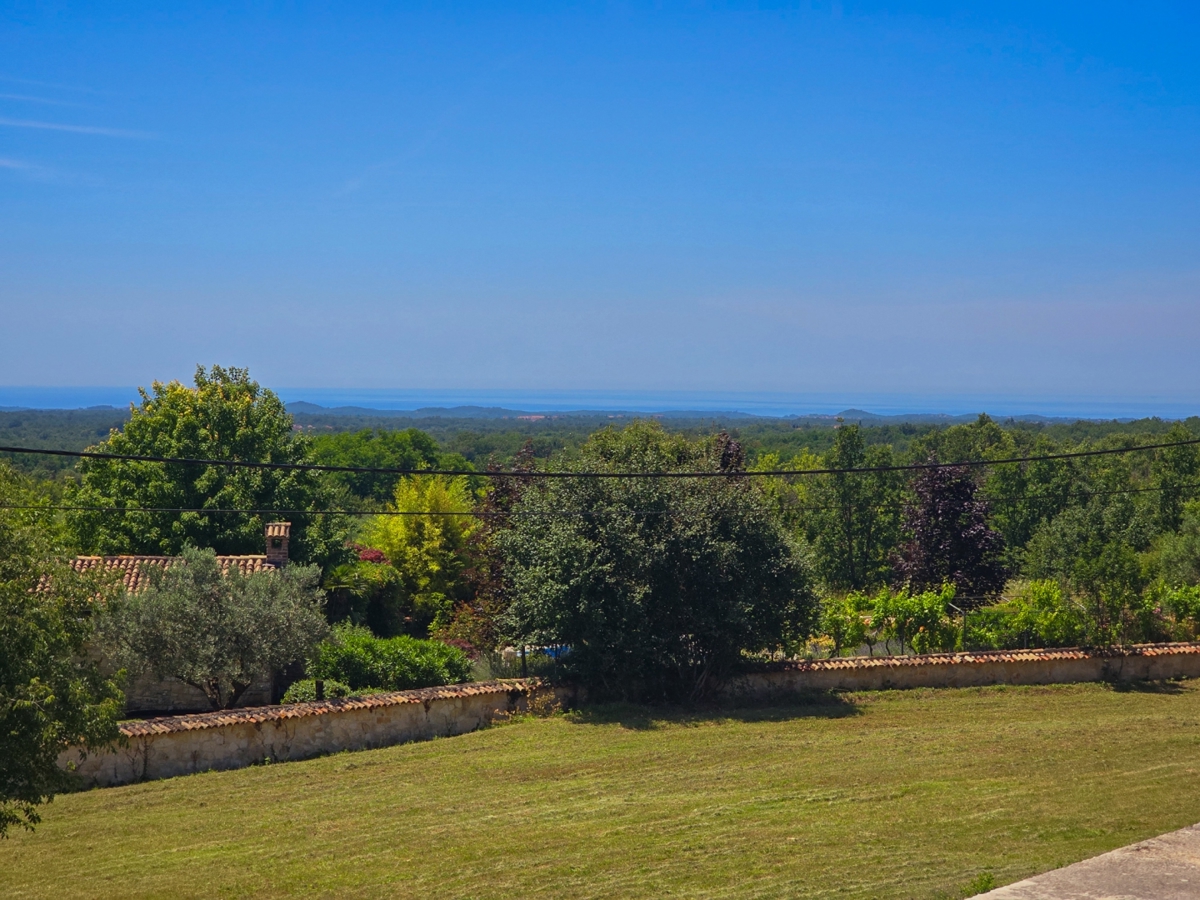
260, 714
981, 657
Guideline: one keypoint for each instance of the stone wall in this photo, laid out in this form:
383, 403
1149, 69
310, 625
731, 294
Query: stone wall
1148, 661
180, 745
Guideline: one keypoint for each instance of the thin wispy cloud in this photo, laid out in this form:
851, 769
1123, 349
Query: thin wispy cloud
26, 98
414, 149
29, 171
50, 84
76, 129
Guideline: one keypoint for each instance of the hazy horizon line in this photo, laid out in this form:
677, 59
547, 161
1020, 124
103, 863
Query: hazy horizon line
776, 404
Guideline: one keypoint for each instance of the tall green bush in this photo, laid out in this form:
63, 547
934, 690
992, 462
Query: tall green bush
1036, 613
354, 656
427, 545
658, 585
921, 621
844, 620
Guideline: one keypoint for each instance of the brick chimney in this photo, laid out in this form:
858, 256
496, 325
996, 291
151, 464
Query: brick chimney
278, 534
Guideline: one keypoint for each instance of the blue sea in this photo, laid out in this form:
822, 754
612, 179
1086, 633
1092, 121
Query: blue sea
764, 403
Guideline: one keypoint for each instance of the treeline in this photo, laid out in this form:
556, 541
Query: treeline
1091, 549
499, 440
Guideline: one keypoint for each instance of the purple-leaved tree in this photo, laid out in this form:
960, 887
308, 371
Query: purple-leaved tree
948, 538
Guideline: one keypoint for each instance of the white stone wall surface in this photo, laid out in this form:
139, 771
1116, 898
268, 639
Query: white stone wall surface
1064, 666
232, 739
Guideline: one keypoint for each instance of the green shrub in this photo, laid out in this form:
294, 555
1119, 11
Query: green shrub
357, 658
842, 621
1177, 607
306, 691
921, 621
1037, 614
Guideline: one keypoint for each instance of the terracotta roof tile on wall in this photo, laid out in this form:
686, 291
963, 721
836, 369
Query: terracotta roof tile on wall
981, 656
260, 714
135, 569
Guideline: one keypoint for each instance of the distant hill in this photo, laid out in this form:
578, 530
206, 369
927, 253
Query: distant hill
869, 418
303, 407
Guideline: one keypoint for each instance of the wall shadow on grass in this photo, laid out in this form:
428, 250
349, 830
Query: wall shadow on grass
815, 705
1171, 688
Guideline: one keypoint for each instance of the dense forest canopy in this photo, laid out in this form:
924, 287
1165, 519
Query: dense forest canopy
478, 440
1097, 548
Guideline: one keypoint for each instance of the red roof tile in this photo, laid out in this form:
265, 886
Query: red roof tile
134, 569
980, 657
278, 529
259, 714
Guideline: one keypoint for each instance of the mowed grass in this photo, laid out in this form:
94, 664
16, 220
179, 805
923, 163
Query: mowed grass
896, 794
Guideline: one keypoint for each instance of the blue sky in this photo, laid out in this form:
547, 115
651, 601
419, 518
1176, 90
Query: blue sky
827, 198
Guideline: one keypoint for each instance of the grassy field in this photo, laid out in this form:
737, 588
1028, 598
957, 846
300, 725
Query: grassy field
898, 794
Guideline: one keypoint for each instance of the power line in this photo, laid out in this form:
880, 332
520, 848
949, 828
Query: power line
740, 473
484, 514
478, 514
1012, 498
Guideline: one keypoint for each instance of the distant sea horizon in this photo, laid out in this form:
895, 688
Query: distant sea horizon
761, 403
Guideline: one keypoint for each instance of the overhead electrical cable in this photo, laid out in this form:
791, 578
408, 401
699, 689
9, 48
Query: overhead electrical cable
541, 473
478, 514
1011, 498
483, 514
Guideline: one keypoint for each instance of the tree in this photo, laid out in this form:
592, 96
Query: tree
917, 620
1176, 476
854, 522
51, 694
1094, 546
1028, 495
949, 540
1092, 550
226, 416
476, 621
426, 542
407, 449
981, 439
1179, 551
367, 592
658, 585
217, 631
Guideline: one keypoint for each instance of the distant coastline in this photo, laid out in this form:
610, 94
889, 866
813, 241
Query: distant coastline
674, 404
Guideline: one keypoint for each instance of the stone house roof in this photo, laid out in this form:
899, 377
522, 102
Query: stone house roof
135, 569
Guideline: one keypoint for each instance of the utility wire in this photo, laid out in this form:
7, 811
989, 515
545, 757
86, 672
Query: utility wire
479, 514
483, 514
1012, 498
739, 473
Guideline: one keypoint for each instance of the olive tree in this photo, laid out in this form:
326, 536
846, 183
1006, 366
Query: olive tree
217, 631
658, 585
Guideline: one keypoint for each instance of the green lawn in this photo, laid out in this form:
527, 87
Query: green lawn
897, 794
